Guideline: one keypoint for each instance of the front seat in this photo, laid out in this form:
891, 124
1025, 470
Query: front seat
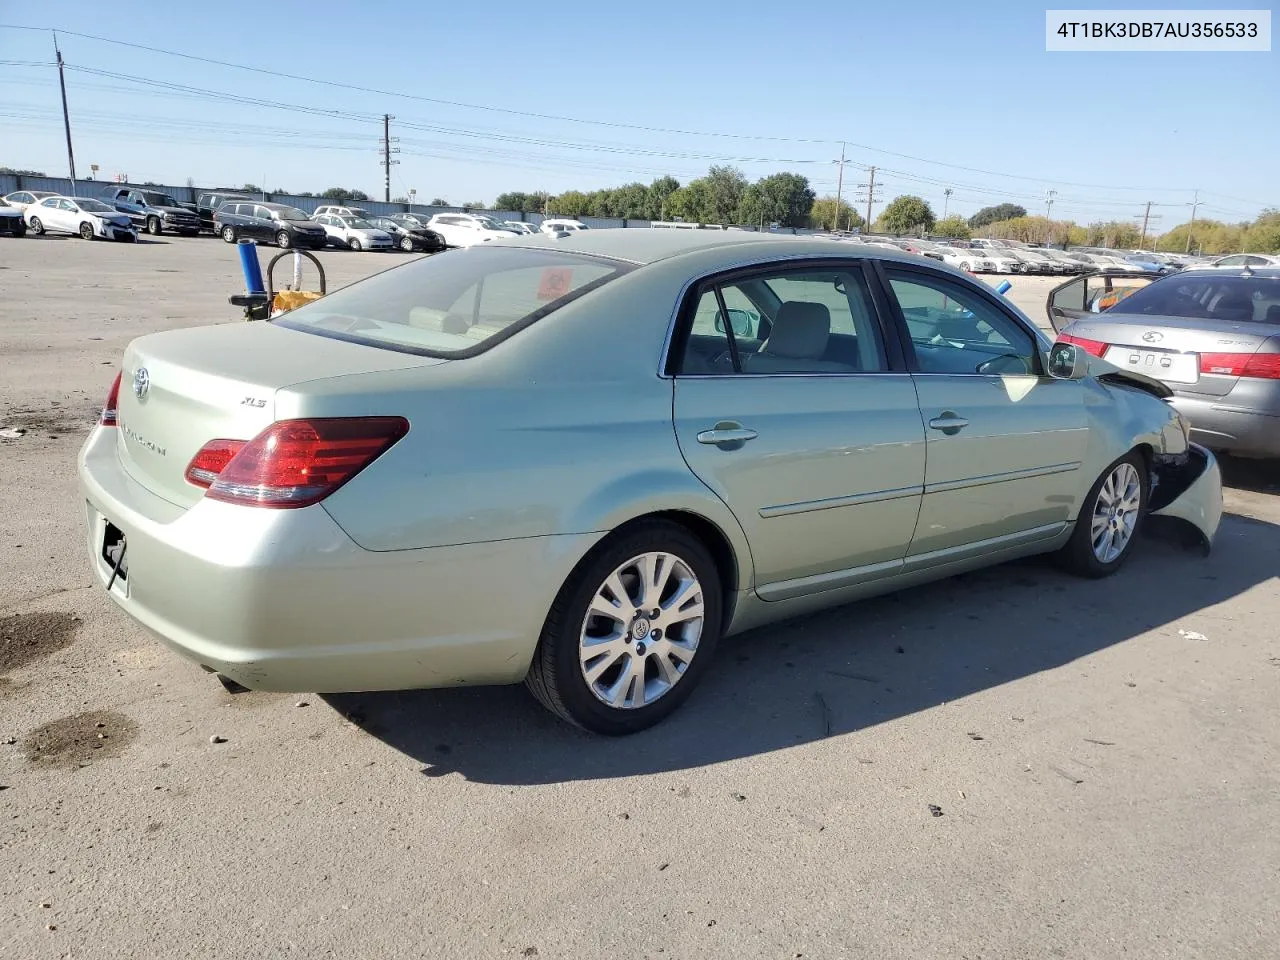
796, 343
1233, 309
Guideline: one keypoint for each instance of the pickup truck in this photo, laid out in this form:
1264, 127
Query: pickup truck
155, 212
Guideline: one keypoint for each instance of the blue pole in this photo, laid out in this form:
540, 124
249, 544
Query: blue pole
252, 269
1004, 287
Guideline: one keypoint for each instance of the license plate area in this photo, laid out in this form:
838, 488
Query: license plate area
1160, 364
113, 551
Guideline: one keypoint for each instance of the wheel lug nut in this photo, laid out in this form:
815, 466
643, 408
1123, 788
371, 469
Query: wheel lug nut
656, 635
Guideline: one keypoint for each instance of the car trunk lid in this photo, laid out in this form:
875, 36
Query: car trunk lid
1192, 355
183, 388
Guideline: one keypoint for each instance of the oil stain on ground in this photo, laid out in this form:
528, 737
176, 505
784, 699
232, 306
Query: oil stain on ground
27, 637
77, 740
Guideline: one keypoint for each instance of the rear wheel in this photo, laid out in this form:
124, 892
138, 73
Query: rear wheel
283, 240
37, 227
229, 233
154, 227
406, 244
86, 231
1109, 518
631, 632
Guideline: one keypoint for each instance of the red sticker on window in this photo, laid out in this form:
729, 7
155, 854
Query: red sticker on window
555, 282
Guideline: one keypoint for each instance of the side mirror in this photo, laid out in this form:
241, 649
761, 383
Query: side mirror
743, 322
1067, 362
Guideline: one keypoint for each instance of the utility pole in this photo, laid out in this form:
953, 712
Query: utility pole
946, 201
1048, 204
839, 190
870, 187
1192, 225
387, 151
66, 116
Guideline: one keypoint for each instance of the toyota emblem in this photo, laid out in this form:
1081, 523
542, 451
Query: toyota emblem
141, 382
1150, 337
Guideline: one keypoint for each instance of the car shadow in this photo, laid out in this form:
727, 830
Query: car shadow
1256, 476
835, 672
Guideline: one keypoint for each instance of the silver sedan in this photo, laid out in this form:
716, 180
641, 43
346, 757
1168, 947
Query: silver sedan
579, 461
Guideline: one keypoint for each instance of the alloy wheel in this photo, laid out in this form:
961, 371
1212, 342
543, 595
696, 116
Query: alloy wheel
1115, 512
641, 630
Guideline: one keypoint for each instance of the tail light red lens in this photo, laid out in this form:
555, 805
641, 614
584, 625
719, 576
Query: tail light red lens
1095, 347
295, 463
212, 460
1264, 366
108, 417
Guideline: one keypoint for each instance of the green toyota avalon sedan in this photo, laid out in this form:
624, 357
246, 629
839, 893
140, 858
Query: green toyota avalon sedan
580, 460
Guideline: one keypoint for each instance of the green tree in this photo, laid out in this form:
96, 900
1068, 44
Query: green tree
1035, 230
906, 213
475, 205
1002, 211
439, 202
692, 203
1116, 234
630, 201
251, 188
822, 215
571, 203
340, 194
725, 187
1263, 235
783, 198
23, 173
953, 227
657, 194
601, 203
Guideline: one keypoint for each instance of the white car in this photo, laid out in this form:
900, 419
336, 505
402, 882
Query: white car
26, 198
562, 226
519, 227
1002, 260
332, 211
1238, 260
80, 215
354, 233
970, 260
1102, 262
468, 229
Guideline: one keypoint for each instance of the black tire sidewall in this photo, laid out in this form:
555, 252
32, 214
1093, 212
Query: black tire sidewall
564, 637
154, 227
83, 226
231, 238
283, 240
354, 244
406, 245
1079, 550
37, 226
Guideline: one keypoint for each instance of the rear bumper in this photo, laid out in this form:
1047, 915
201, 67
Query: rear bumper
1219, 424
285, 600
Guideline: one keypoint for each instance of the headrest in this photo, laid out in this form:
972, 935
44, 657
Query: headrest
800, 331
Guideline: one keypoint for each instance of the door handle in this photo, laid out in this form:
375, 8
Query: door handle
948, 423
727, 435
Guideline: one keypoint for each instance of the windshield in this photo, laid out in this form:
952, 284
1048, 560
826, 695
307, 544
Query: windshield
488, 224
291, 213
160, 200
95, 206
355, 223
1233, 299
452, 306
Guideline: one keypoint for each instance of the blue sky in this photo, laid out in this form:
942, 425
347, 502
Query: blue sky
919, 89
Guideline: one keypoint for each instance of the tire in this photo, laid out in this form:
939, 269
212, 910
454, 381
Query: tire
1082, 554
19, 229
229, 233
86, 231
354, 244
406, 244
964, 267
154, 226
557, 675
37, 227
284, 240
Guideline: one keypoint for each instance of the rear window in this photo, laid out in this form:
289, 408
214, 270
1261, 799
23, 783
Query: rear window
1233, 299
455, 305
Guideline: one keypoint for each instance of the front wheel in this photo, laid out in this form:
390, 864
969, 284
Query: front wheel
964, 267
229, 233
354, 244
406, 245
631, 632
154, 227
1109, 517
37, 227
283, 240
86, 231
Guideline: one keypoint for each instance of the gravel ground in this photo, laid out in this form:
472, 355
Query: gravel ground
1009, 764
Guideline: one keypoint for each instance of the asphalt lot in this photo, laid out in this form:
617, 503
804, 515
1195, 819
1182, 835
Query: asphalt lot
1103, 755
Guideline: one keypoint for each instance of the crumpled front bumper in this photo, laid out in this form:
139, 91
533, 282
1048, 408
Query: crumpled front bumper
1190, 490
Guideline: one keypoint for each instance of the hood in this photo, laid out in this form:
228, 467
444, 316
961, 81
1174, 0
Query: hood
1108, 372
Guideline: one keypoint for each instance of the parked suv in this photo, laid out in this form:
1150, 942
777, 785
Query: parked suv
155, 212
207, 205
276, 223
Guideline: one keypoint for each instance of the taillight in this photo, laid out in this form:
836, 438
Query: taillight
109, 417
212, 460
1265, 366
294, 463
1095, 347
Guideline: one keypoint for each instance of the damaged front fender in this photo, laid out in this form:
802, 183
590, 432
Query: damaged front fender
1189, 487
